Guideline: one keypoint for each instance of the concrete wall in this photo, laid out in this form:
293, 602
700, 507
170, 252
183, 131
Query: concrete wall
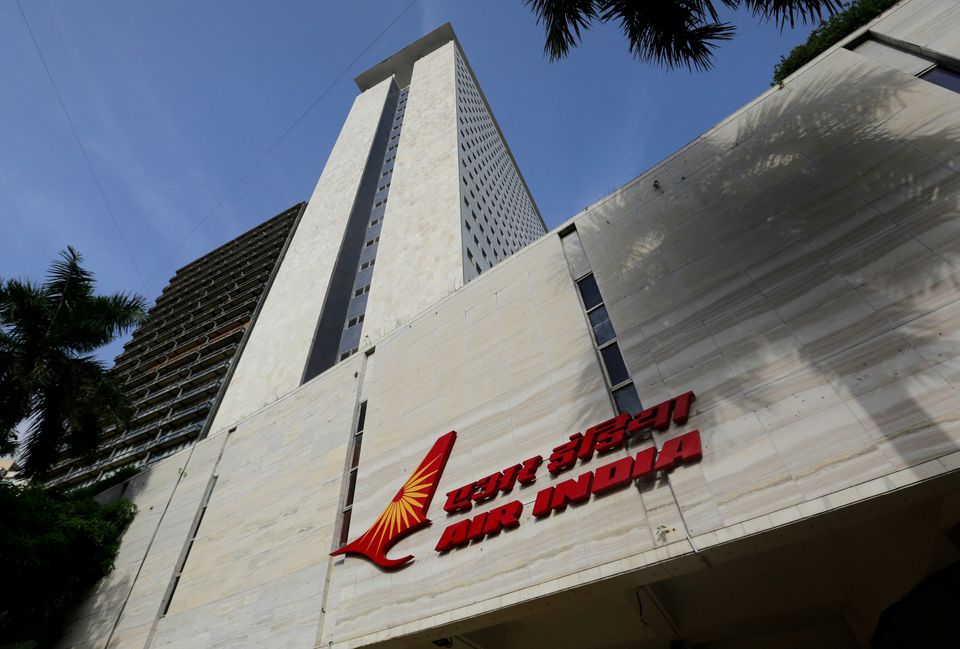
796, 266
257, 571
123, 608
274, 358
418, 262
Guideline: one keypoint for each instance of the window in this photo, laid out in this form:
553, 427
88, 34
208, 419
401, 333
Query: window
360, 291
353, 322
600, 321
372, 241
627, 399
613, 360
373, 223
367, 264
589, 292
621, 387
347, 354
943, 77
352, 478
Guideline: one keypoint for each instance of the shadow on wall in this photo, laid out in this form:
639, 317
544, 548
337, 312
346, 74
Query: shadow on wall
786, 266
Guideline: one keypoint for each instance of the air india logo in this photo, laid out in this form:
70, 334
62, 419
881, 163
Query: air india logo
407, 512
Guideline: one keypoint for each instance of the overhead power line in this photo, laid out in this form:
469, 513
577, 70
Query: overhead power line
83, 149
280, 139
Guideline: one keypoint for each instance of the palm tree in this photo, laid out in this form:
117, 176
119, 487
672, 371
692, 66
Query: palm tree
670, 33
48, 377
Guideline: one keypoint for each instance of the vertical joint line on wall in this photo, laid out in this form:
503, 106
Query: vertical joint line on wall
357, 424
622, 393
621, 389
188, 545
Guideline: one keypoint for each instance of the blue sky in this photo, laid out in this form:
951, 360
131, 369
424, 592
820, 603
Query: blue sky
175, 101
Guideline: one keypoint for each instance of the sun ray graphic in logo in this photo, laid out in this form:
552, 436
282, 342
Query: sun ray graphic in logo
407, 512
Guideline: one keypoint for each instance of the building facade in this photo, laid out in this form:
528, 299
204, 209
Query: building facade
719, 408
176, 366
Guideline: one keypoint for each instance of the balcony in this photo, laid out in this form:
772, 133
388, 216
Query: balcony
207, 374
177, 434
196, 393
151, 414
194, 412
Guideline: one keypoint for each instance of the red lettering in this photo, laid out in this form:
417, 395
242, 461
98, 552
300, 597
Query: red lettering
571, 491
458, 500
565, 455
488, 487
528, 473
684, 448
643, 464
657, 417
485, 524
681, 407
509, 478
454, 536
541, 506
476, 526
612, 476
603, 437
504, 517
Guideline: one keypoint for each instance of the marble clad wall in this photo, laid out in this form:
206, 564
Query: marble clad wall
805, 287
123, 606
798, 267
273, 360
256, 573
507, 364
419, 258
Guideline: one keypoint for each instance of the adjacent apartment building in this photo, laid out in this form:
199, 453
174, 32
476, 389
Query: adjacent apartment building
718, 409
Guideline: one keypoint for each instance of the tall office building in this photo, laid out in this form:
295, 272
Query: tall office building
419, 196
176, 366
718, 409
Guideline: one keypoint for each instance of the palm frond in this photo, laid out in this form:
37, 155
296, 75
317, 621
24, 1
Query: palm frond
671, 34
24, 309
39, 448
99, 319
563, 20
784, 12
67, 281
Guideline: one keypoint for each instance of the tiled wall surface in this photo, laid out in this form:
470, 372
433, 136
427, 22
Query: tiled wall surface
796, 266
419, 258
273, 361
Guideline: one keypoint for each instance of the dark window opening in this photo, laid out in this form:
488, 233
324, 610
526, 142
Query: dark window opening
613, 360
589, 292
602, 329
943, 77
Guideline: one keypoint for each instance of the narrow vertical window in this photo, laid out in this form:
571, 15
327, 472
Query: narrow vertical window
352, 475
622, 390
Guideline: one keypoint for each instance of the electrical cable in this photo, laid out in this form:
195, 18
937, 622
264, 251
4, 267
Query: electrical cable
83, 149
277, 142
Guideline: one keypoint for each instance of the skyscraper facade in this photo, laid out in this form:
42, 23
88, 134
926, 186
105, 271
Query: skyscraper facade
420, 195
717, 409
177, 365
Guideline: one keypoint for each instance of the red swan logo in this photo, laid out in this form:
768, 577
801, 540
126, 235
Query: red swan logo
407, 512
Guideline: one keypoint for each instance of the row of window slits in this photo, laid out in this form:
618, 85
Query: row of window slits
621, 386
499, 216
353, 324
352, 477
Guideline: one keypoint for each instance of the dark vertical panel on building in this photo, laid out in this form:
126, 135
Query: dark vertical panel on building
326, 340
